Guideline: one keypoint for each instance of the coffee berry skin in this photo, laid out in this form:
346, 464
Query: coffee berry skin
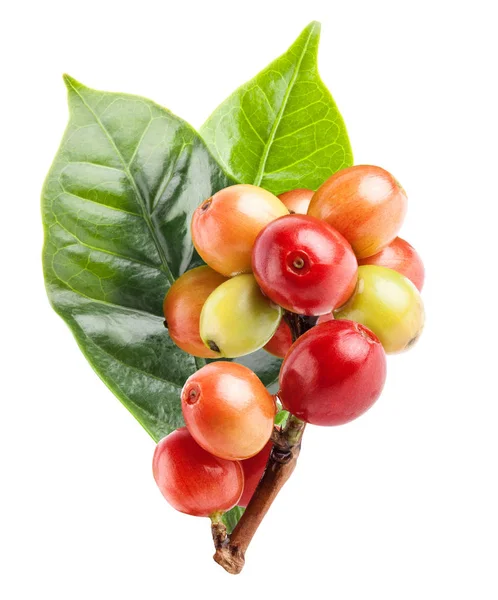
401, 257
297, 201
304, 265
365, 203
333, 373
254, 468
281, 341
237, 318
192, 480
387, 303
228, 410
225, 226
182, 308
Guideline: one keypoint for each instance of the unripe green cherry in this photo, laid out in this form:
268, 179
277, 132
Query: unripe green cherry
387, 303
237, 318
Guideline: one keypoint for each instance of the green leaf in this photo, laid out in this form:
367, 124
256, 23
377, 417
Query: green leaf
117, 205
281, 417
281, 130
232, 517
264, 364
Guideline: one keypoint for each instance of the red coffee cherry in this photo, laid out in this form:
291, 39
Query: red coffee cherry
333, 373
401, 257
281, 341
192, 480
228, 411
304, 265
253, 471
365, 203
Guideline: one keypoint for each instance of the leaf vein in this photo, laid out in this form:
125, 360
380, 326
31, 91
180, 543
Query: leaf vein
168, 176
141, 200
264, 157
146, 129
251, 125
103, 250
93, 164
305, 158
122, 210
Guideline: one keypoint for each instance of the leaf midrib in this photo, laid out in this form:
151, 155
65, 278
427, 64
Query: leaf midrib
264, 157
132, 181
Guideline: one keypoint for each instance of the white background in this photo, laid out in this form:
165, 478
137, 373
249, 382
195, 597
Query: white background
400, 504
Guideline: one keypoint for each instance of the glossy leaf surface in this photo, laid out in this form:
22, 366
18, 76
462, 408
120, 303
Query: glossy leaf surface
117, 204
281, 130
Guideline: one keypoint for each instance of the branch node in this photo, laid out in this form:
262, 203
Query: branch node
231, 558
281, 456
278, 439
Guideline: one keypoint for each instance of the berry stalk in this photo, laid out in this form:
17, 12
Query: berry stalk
231, 549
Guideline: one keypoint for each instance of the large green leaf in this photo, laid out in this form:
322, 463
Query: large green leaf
118, 200
281, 130
117, 204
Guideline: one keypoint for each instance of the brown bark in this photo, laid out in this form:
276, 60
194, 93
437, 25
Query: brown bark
230, 550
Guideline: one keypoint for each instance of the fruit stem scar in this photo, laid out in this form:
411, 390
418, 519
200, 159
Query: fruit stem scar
193, 395
366, 333
213, 346
205, 205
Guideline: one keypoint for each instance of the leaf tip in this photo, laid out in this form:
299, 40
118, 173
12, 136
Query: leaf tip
70, 82
313, 29
315, 26
309, 35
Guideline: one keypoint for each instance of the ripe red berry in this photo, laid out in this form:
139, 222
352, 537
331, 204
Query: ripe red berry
401, 257
192, 480
281, 341
297, 201
228, 411
225, 226
183, 305
333, 373
253, 471
365, 203
304, 265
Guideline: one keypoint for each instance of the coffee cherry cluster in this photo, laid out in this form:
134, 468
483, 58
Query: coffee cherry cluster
331, 256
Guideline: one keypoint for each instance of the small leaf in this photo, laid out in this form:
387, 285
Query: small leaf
232, 517
117, 205
281, 130
281, 417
